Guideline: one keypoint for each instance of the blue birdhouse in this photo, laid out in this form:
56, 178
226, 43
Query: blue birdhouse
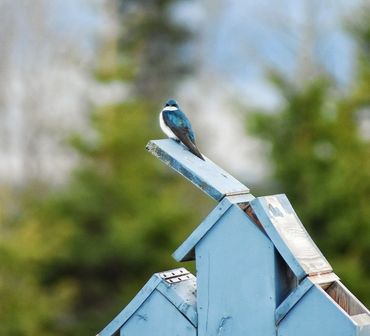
258, 272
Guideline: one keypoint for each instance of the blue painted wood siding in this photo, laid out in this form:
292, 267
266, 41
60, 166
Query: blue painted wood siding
317, 314
158, 317
236, 275
166, 306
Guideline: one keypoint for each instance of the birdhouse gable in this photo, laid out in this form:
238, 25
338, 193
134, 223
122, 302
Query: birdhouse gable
186, 251
317, 308
178, 287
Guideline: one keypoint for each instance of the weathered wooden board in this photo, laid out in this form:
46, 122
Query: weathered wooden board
363, 324
206, 175
289, 236
345, 299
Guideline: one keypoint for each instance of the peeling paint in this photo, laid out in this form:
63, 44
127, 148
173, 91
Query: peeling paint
223, 324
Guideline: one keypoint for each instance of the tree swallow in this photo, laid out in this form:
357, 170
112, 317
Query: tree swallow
176, 126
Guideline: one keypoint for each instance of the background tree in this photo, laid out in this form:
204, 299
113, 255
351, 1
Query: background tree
320, 159
90, 245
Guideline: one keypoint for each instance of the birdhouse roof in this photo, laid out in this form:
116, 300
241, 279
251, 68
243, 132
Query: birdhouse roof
283, 227
280, 223
177, 285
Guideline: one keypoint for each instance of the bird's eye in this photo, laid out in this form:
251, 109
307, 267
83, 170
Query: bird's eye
167, 105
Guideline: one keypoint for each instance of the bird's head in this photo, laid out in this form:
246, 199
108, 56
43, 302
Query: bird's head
172, 104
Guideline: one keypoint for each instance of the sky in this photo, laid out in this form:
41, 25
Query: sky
235, 41
48, 50
241, 38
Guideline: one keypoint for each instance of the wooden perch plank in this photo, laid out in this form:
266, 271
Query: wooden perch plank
206, 175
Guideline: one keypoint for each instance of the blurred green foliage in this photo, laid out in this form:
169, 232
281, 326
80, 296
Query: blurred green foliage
72, 257
320, 159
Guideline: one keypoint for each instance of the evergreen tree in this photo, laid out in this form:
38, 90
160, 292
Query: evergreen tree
321, 161
88, 247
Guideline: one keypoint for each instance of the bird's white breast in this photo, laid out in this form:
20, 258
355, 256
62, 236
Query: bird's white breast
164, 127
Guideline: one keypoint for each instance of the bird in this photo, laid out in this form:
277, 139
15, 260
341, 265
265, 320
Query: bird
175, 124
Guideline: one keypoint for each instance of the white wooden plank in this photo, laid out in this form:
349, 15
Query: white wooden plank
289, 236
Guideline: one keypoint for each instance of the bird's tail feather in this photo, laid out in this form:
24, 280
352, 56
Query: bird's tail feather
183, 136
193, 149
197, 153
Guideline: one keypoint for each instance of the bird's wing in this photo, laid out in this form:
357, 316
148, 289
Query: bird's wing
181, 127
185, 139
178, 119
